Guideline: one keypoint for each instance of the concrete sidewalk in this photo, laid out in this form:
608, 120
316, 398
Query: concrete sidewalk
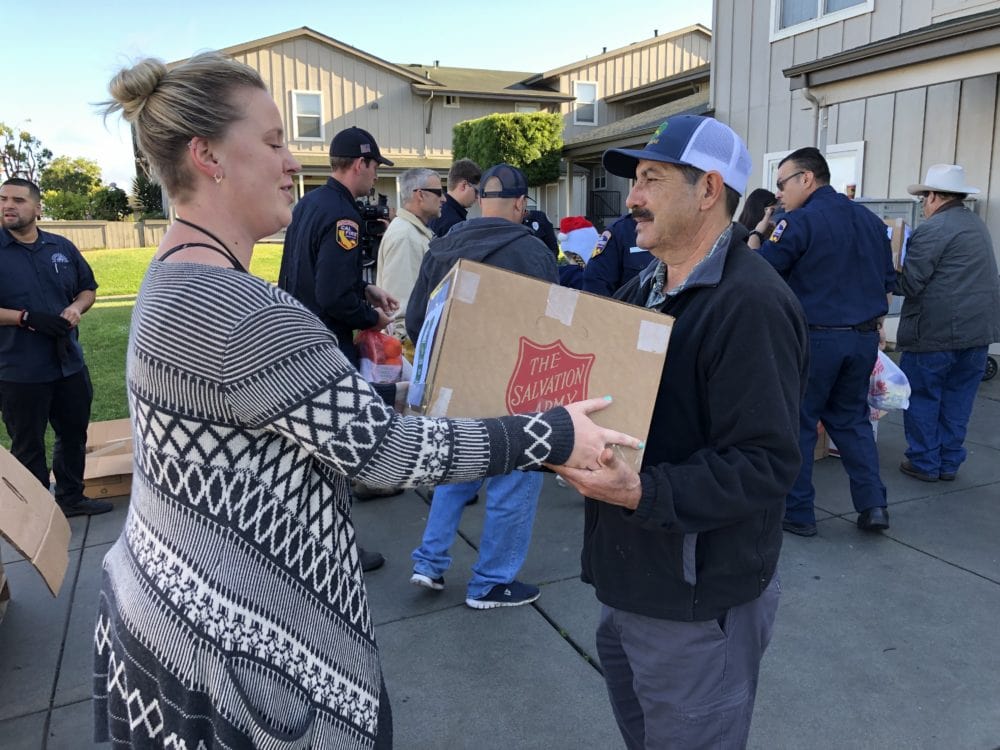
882, 641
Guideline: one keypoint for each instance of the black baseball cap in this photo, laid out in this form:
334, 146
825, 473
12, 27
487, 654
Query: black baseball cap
512, 182
356, 143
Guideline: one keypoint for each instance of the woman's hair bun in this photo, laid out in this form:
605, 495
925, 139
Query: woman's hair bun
132, 87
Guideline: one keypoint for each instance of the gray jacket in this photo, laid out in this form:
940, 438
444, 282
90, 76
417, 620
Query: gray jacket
950, 282
490, 240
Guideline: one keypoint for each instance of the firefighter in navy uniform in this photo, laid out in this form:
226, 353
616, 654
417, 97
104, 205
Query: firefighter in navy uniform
616, 259
322, 261
322, 264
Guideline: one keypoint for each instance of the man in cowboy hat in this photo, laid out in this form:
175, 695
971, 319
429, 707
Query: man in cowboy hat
950, 316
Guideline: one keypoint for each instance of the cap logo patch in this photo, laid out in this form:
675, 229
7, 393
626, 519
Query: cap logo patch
657, 134
778, 231
347, 234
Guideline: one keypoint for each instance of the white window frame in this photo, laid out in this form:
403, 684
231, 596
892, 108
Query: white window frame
845, 153
576, 97
834, 152
452, 102
526, 107
822, 19
295, 116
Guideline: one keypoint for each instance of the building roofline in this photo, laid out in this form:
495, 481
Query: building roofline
944, 39
692, 75
694, 28
305, 31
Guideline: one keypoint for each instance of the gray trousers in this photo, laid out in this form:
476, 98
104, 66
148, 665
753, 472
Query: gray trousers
685, 685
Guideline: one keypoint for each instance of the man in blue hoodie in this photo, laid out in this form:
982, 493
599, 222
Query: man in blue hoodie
497, 238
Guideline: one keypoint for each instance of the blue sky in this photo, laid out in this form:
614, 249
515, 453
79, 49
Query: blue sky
59, 54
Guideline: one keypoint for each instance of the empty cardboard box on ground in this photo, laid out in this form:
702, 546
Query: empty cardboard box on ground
108, 472
32, 522
496, 343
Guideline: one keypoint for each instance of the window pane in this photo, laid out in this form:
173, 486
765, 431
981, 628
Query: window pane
307, 104
585, 113
308, 126
797, 11
835, 5
586, 93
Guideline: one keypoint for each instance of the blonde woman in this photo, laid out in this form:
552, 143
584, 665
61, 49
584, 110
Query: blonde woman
233, 610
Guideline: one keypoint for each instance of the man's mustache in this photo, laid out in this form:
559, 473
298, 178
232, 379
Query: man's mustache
642, 213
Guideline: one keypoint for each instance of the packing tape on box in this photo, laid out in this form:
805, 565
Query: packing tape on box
440, 406
653, 337
561, 304
466, 286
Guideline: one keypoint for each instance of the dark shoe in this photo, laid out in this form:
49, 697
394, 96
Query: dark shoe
948, 476
363, 492
911, 471
434, 584
370, 560
800, 529
873, 519
86, 507
512, 594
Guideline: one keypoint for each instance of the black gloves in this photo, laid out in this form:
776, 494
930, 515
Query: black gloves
47, 323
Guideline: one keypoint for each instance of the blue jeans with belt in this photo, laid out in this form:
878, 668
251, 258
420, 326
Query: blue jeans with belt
840, 367
511, 501
943, 388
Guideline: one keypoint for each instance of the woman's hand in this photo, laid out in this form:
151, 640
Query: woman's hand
590, 439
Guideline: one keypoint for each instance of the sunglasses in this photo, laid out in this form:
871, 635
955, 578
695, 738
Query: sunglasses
437, 191
781, 183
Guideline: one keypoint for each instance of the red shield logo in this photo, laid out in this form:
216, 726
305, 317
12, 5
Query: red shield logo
546, 376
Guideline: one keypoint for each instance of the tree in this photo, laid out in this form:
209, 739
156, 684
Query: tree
530, 141
22, 153
147, 196
72, 190
109, 203
78, 175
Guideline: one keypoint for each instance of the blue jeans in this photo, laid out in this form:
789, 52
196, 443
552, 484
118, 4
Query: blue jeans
943, 386
840, 367
511, 501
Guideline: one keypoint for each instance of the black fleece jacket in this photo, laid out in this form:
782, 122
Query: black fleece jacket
722, 450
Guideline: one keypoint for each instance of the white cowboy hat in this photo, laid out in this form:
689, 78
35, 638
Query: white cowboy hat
943, 178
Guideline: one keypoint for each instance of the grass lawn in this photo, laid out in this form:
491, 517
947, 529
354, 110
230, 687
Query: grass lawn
104, 329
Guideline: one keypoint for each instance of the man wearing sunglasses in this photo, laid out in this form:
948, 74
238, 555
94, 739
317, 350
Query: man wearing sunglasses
463, 189
835, 256
405, 241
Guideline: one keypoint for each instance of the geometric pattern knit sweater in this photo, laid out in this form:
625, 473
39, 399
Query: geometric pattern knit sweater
233, 611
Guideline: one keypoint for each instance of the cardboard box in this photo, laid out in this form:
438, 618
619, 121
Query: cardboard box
108, 472
32, 522
899, 234
496, 343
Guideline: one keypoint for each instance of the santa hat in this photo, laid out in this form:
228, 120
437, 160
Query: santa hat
577, 236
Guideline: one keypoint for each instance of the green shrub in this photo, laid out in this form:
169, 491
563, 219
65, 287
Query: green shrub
530, 141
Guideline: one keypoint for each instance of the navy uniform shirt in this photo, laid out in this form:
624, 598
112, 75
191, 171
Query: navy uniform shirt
45, 276
835, 255
542, 228
452, 213
616, 259
321, 265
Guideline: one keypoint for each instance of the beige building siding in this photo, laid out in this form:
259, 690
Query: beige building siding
942, 110
632, 67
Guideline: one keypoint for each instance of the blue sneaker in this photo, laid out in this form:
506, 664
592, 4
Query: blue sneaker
434, 584
512, 594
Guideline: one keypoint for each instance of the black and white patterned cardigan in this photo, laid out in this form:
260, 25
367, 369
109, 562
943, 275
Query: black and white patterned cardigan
233, 610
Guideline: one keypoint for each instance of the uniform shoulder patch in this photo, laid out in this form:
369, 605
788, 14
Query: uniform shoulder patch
347, 234
602, 241
779, 229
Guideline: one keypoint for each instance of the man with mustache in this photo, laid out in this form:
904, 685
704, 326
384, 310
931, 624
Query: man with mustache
45, 288
683, 554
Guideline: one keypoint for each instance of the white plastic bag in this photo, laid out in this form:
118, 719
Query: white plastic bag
888, 388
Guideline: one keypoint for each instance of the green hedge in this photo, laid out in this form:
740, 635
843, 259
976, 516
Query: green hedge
531, 141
